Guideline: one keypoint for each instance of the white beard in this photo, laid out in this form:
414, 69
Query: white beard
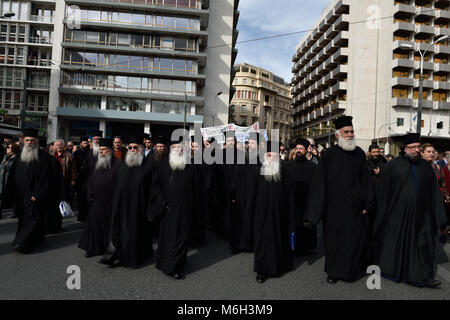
271, 171
176, 161
346, 144
133, 159
95, 149
29, 153
104, 162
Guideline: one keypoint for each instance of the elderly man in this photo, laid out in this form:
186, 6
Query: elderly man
340, 196
100, 192
131, 235
409, 213
68, 166
80, 187
69, 146
30, 189
174, 201
91, 158
300, 175
119, 150
271, 224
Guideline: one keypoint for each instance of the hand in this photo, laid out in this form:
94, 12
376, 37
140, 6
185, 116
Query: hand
33, 199
364, 212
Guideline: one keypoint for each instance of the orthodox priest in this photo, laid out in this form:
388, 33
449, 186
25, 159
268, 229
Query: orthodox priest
300, 175
173, 200
271, 222
30, 189
81, 184
340, 196
100, 192
409, 213
131, 235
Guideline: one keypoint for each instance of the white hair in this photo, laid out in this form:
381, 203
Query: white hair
347, 144
134, 159
271, 170
177, 161
60, 140
104, 162
95, 149
29, 153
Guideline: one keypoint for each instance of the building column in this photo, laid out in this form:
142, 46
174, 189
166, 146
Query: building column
102, 127
103, 103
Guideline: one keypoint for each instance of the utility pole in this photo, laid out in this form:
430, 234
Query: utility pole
185, 111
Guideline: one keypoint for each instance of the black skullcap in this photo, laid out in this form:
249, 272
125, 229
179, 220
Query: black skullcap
30, 132
343, 121
146, 136
134, 140
160, 140
105, 143
177, 141
373, 146
411, 138
84, 139
97, 134
303, 142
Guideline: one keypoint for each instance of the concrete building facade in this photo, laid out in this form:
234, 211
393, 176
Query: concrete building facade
261, 96
133, 66
362, 59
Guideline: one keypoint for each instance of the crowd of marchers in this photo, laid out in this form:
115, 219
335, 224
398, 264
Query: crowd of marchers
375, 209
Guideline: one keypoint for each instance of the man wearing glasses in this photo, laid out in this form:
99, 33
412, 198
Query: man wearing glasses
409, 214
310, 155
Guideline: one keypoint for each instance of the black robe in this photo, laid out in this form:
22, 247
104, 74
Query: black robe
271, 226
30, 180
81, 184
55, 196
339, 194
300, 175
131, 233
100, 191
176, 190
407, 221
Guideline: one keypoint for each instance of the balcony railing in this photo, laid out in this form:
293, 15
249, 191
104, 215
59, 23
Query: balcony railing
48, 19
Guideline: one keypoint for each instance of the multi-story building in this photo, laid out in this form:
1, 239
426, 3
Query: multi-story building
260, 96
25, 61
362, 59
128, 66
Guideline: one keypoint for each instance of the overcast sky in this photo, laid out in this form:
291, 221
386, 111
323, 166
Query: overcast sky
261, 18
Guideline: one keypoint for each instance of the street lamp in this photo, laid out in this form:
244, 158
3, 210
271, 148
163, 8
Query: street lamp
422, 54
7, 15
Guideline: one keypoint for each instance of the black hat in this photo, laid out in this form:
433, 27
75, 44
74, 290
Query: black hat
344, 121
146, 136
134, 140
30, 132
160, 140
43, 142
97, 134
177, 141
84, 138
303, 142
105, 143
411, 138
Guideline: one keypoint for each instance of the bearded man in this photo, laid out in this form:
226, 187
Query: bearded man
130, 242
173, 202
409, 213
100, 192
81, 184
91, 158
271, 222
300, 174
340, 196
30, 189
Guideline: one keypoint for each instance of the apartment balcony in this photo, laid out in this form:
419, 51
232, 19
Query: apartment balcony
402, 102
340, 86
403, 63
398, 45
341, 23
426, 65
340, 55
42, 19
442, 14
339, 70
404, 82
404, 9
424, 46
404, 27
439, 85
425, 12
330, 48
439, 67
337, 106
331, 33
341, 39
327, 77
440, 32
442, 49
443, 105
426, 104
423, 29
427, 84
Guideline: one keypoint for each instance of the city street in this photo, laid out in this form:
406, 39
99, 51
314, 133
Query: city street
212, 273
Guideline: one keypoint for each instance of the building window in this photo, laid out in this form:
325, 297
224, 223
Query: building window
440, 125
400, 122
243, 108
254, 109
244, 81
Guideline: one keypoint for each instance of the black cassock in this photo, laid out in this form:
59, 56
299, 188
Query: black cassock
177, 190
81, 185
409, 214
55, 196
339, 194
300, 175
131, 233
100, 192
271, 228
241, 213
31, 180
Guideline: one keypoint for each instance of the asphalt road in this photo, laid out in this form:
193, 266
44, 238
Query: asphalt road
211, 273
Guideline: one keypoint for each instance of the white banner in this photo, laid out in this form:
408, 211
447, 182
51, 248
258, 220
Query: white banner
218, 132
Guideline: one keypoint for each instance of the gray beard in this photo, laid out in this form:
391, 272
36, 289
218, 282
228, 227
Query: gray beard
95, 149
133, 159
271, 171
347, 145
29, 153
104, 162
176, 161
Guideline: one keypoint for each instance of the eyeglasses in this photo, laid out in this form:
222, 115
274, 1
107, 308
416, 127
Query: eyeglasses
131, 148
